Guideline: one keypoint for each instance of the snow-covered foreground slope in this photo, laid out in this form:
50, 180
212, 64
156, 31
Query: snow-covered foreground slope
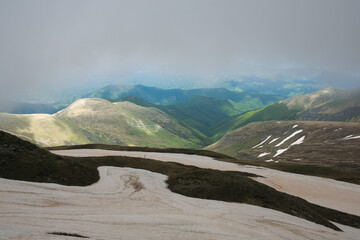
135, 204
326, 192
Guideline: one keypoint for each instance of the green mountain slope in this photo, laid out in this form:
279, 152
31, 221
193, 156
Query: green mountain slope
276, 111
129, 124
330, 104
203, 113
200, 113
100, 121
45, 129
325, 105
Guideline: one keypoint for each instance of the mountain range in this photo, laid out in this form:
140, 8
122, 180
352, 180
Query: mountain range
161, 96
195, 122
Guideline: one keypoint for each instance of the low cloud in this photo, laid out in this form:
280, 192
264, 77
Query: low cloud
48, 44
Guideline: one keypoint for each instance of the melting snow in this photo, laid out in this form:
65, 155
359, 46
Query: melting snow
273, 140
270, 160
299, 141
263, 154
351, 137
325, 192
295, 126
262, 142
292, 135
280, 151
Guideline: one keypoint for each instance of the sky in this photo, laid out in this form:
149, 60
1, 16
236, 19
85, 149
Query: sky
60, 44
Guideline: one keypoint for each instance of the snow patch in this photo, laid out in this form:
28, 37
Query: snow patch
295, 126
262, 142
273, 140
270, 160
299, 141
263, 154
292, 135
280, 151
351, 137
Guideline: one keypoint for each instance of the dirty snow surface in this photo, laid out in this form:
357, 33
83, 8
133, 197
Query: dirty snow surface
326, 192
292, 135
263, 154
131, 203
351, 137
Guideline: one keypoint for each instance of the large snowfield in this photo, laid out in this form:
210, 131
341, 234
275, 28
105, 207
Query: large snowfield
131, 203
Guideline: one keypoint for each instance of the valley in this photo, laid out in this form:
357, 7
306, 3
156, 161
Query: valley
195, 123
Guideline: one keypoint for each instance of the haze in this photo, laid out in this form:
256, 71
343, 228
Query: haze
59, 44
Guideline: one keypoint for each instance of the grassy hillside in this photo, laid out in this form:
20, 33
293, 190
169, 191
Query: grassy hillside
275, 111
128, 124
45, 129
136, 100
325, 105
203, 114
23, 161
331, 144
329, 104
99, 121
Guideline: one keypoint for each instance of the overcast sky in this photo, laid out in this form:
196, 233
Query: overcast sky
56, 43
